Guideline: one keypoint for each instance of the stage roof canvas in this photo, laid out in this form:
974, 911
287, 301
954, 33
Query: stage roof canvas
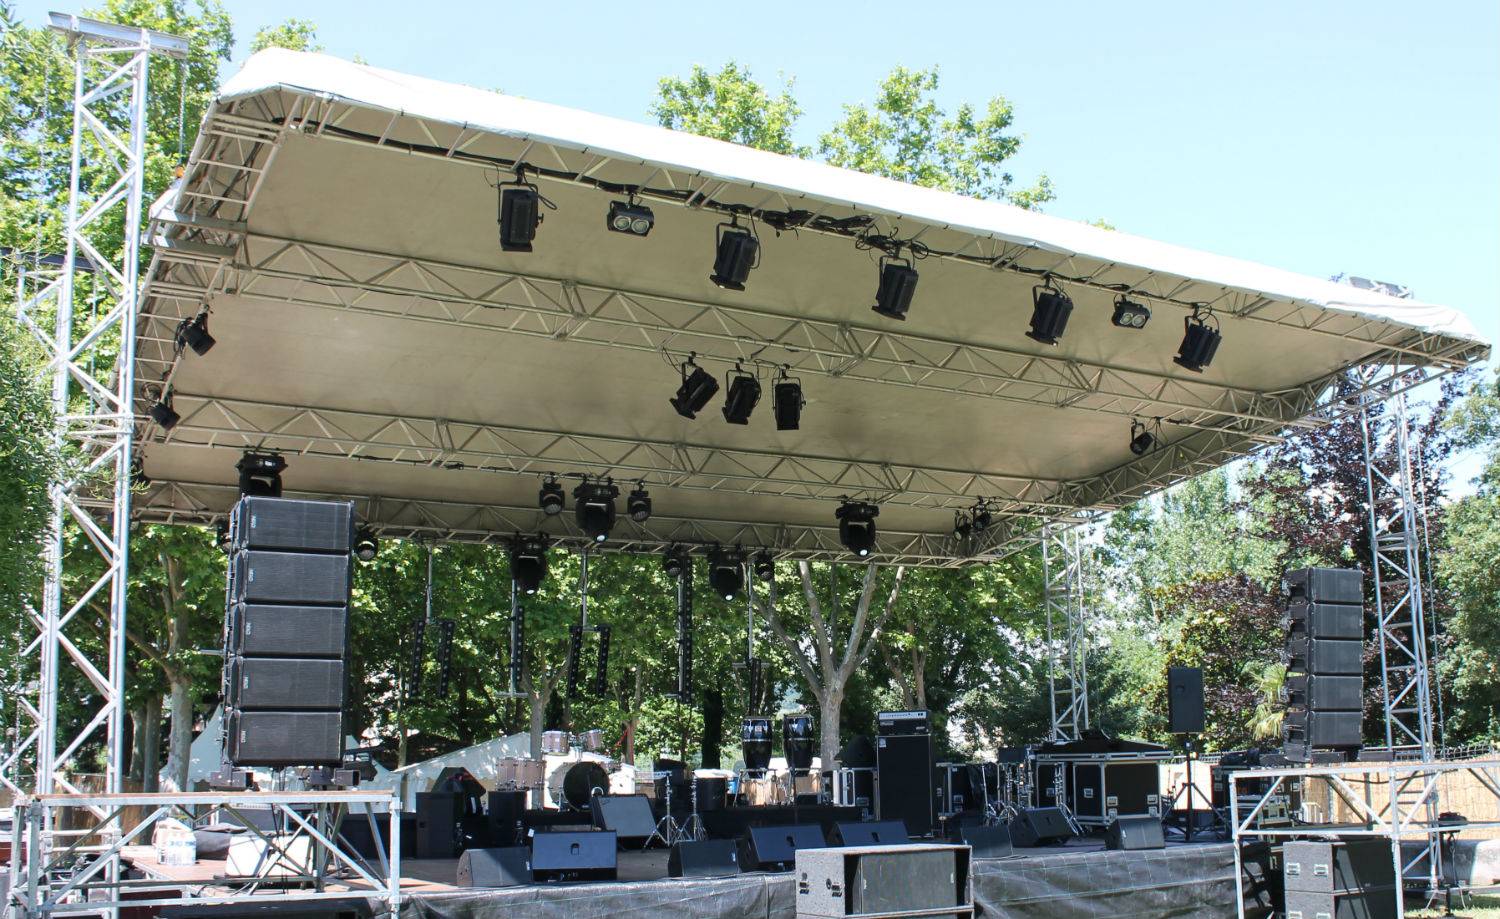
339, 222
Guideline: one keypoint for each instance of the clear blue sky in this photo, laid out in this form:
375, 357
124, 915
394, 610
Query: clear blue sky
1360, 136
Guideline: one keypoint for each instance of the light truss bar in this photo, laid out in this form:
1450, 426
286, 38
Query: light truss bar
366, 282
452, 444
110, 34
1067, 631
203, 504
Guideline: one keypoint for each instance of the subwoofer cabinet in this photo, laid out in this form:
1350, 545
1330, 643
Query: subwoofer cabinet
883, 881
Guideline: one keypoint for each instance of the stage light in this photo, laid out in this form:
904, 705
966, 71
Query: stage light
697, 388
726, 571
787, 402
260, 474
962, 525
594, 508
675, 560
528, 562
638, 505
1141, 440
744, 393
1200, 341
980, 517
1129, 314
163, 413
365, 544
765, 566
898, 282
629, 217
221, 535
520, 214
1049, 314
736, 253
193, 333
550, 498
857, 526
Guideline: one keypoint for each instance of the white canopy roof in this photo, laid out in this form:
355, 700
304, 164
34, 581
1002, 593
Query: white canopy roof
339, 222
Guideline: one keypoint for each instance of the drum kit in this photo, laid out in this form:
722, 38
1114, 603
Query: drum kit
520, 774
561, 743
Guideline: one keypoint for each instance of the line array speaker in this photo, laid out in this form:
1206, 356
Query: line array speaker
1324, 689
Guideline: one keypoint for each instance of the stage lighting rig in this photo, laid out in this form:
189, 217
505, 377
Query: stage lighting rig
744, 393
857, 526
638, 505
260, 474
726, 571
898, 282
163, 413
528, 562
594, 507
365, 544
192, 332
550, 498
630, 217
1200, 341
1050, 310
675, 560
736, 254
981, 517
1142, 440
765, 566
1130, 314
698, 387
520, 212
787, 401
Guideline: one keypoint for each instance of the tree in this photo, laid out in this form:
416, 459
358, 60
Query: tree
729, 105
293, 34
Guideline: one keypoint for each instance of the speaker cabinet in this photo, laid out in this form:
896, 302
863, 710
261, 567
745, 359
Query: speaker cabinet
1325, 693
987, 841
507, 867
1039, 826
712, 858
1326, 585
291, 577
292, 525
276, 739
1365, 904
906, 780
628, 816
1326, 620
504, 812
920, 879
439, 814
872, 833
1185, 700
573, 856
1131, 833
1323, 730
286, 683
289, 631
1325, 656
774, 848
1337, 866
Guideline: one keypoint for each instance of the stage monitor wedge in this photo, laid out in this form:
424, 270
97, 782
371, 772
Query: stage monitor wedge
503, 867
869, 833
628, 816
1134, 833
987, 841
574, 856
774, 848
711, 858
1040, 826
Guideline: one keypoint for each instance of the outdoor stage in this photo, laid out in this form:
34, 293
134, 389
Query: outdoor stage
1080, 879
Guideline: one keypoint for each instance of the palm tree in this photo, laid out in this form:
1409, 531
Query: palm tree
1269, 680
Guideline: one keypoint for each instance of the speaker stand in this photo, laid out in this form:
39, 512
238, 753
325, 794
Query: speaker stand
667, 829
693, 830
1219, 827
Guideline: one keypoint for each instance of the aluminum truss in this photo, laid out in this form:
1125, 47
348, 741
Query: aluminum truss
92, 375
1067, 631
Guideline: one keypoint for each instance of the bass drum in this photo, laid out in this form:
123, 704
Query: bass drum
573, 784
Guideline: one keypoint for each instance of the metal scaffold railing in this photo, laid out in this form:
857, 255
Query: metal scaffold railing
1067, 637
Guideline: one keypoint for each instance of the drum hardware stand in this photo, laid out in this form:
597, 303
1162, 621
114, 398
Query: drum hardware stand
693, 830
667, 829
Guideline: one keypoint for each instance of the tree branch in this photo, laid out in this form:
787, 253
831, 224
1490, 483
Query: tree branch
857, 627
890, 606
822, 636
804, 666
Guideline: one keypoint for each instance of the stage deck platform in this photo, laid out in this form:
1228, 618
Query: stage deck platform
1080, 880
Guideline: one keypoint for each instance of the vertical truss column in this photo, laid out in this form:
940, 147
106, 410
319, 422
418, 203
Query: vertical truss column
89, 362
1392, 495
1067, 639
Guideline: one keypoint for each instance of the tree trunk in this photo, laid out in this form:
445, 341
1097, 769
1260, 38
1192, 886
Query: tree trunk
137, 745
151, 745
633, 720
180, 738
830, 716
713, 727
919, 679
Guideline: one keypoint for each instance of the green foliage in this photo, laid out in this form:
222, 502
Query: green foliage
28, 463
729, 105
293, 34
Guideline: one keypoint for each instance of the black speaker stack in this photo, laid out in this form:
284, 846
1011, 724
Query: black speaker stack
1325, 621
286, 631
905, 773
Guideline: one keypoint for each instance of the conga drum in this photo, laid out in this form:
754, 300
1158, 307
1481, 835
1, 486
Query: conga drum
797, 740
755, 744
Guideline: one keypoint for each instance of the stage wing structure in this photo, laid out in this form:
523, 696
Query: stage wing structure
339, 224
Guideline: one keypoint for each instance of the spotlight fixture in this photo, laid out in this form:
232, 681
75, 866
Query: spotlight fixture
1130, 314
962, 525
365, 544
675, 560
550, 498
260, 474
1141, 439
981, 517
193, 333
528, 562
898, 282
163, 413
594, 508
726, 571
765, 566
744, 393
638, 505
1049, 313
787, 401
857, 526
630, 217
736, 253
1200, 341
697, 388
520, 213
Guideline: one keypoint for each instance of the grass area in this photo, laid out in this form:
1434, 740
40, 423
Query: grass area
1483, 908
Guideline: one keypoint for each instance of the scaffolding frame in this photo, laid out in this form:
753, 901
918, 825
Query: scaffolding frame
1067, 617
